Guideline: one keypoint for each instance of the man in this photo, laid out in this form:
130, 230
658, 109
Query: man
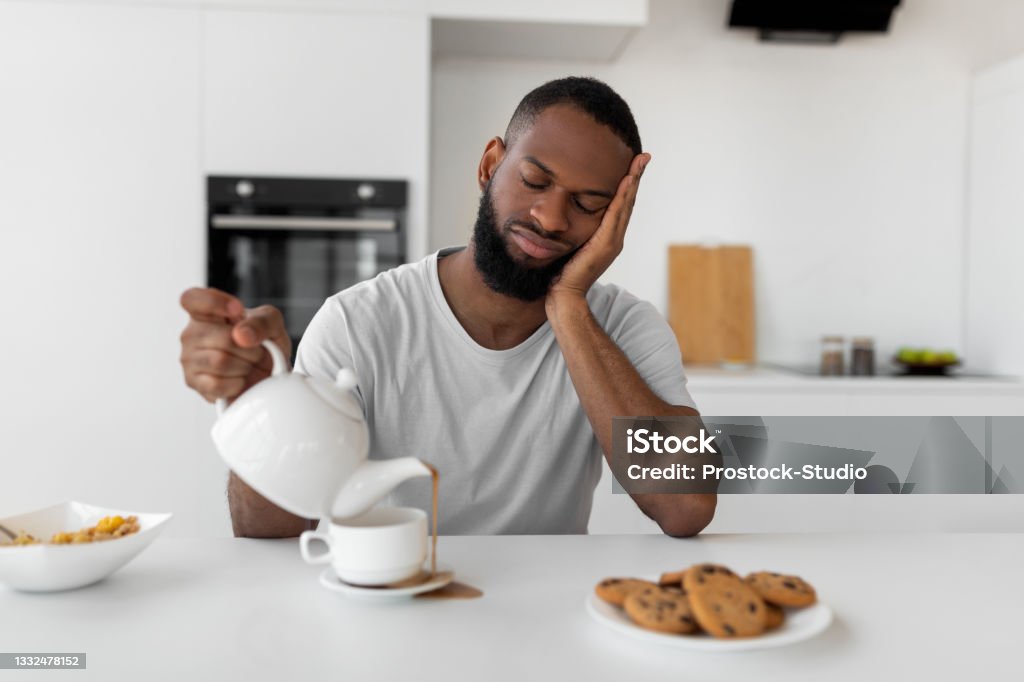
501, 363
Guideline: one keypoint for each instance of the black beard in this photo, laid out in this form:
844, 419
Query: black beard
500, 271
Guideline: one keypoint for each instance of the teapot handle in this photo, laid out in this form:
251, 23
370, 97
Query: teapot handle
280, 367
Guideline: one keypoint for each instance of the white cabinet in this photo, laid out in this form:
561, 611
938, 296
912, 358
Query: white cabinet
995, 231
769, 392
102, 221
595, 12
322, 94
765, 392
593, 30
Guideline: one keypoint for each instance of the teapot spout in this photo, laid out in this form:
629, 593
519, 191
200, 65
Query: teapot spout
373, 480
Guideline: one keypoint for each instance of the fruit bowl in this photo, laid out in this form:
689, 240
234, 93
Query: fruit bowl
925, 361
925, 369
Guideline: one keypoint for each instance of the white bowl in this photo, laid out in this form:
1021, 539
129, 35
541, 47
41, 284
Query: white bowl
48, 568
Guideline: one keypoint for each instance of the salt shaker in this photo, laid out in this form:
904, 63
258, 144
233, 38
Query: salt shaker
831, 356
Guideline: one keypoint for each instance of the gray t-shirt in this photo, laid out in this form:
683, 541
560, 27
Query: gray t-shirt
504, 427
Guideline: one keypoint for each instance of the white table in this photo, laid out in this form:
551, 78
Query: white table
908, 606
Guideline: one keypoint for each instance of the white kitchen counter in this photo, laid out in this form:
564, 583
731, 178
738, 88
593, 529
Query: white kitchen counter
907, 606
772, 378
767, 390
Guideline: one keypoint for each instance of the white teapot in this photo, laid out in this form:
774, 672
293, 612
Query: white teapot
302, 443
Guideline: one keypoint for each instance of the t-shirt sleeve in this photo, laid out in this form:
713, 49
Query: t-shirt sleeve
650, 344
325, 346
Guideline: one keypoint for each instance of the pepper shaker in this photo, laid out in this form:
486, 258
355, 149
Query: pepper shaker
862, 357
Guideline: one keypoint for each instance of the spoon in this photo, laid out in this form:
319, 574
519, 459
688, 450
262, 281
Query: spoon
6, 531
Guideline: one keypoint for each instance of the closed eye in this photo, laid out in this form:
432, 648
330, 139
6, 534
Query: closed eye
588, 211
576, 202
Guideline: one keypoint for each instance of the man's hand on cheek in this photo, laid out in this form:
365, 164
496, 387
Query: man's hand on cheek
604, 246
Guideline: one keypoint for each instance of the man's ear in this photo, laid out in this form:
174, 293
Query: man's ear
489, 162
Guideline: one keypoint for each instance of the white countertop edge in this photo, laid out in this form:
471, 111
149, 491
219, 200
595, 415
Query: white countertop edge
707, 379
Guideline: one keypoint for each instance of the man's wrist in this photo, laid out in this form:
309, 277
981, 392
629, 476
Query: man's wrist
566, 307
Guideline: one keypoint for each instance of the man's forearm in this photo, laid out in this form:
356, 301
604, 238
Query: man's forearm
605, 380
609, 386
254, 516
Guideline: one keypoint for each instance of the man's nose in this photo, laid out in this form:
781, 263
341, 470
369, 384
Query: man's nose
551, 211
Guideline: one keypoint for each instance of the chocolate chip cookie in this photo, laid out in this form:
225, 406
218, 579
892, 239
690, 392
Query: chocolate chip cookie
782, 590
722, 603
672, 578
774, 618
615, 590
662, 610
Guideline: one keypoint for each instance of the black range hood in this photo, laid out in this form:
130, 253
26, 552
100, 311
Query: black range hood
811, 21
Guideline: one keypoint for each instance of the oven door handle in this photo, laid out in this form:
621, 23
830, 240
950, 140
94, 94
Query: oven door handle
221, 221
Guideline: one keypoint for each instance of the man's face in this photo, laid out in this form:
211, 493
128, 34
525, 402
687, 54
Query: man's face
545, 199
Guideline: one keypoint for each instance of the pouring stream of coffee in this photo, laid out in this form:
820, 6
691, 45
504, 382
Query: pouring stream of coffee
434, 478
453, 590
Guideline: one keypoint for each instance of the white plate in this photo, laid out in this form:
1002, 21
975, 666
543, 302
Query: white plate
800, 624
49, 568
331, 581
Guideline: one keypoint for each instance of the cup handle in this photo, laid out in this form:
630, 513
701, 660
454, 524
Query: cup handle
307, 537
280, 367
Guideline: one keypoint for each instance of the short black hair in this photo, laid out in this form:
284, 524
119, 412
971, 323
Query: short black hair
589, 95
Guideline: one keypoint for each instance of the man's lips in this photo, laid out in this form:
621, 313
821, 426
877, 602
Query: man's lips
534, 245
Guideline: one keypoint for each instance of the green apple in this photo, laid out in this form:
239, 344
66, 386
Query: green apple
908, 355
929, 357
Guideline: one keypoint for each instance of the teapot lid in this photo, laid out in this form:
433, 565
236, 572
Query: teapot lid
338, 395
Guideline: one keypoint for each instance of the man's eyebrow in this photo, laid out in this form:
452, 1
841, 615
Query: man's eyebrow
595, 192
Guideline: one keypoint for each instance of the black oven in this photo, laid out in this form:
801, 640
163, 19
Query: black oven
292, 242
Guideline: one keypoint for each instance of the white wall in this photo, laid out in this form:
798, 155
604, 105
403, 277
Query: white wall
843, 166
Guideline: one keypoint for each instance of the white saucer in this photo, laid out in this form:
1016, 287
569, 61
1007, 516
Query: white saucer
330, 580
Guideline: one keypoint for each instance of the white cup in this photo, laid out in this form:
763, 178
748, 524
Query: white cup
384, 545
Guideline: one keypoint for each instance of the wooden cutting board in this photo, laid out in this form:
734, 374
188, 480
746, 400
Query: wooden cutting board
711, 303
